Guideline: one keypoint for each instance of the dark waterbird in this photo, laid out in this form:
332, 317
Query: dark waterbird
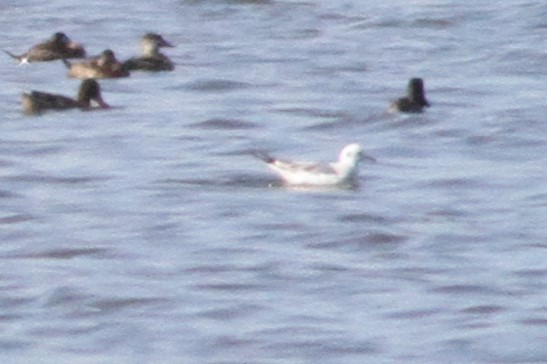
415, 100
151, 58
104, 65
36, 102
59, 46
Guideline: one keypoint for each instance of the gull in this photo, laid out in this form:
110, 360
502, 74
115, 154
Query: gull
339, 173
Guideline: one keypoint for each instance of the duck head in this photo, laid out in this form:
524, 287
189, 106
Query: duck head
152, 42
62, 42
90, 91
416, 91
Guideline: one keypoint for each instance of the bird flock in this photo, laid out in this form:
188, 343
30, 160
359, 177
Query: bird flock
343, 172
105, 65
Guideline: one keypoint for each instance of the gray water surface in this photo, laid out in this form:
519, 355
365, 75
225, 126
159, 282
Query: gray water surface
149, 234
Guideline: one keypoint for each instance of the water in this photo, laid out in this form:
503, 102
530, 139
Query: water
147, 233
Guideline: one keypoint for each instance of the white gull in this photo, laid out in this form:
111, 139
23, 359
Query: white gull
341, 172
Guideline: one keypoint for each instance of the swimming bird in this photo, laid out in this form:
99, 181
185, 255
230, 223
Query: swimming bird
415, 100
342, 172
36, 102
151, 58
103, 66
59, 46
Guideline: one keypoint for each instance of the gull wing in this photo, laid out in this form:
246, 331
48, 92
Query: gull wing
303, 167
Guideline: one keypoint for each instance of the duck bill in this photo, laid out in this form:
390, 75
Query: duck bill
99, 100
165, 43
75, 49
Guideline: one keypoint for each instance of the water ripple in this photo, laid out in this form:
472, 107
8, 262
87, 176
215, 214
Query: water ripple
363, 242
231, 313
224, 124
16, 219
484, 309
62, 253
56, 180
217, 85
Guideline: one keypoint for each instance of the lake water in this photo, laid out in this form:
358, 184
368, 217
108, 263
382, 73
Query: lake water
149, 234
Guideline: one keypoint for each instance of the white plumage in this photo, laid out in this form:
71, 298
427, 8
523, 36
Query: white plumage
341, 172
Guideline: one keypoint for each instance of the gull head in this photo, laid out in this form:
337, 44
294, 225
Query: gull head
350, 154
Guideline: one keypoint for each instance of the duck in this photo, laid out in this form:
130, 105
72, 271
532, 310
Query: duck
340, 173
36, 102
151, 59
415, 100
103, 66
59, 46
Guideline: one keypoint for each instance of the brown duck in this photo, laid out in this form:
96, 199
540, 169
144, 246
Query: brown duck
103, 66
36, 102
151, 58
59, 46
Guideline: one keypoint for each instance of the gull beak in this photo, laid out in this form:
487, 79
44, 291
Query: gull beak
364, 157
